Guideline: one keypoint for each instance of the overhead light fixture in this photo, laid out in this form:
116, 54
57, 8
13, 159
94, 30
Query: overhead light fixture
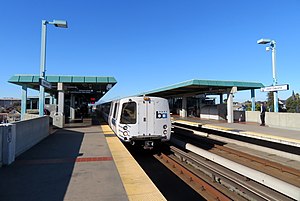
263, 41
60, 23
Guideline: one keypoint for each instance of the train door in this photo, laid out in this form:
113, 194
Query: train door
146, 116
114, 116
150, 117
162, 117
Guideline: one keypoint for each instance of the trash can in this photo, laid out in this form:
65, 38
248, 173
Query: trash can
58, 120
8, 132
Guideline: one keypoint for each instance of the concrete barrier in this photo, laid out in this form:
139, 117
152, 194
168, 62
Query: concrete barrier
30, 132
30, 116
277, 120
216, 112
26, 134
8, 143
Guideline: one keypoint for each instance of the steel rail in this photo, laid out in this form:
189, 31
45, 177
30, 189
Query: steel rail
283, 187
199, 185
245, 187
265, 162
293, 178
275, 165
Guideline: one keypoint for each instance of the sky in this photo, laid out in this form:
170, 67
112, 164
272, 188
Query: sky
149, 44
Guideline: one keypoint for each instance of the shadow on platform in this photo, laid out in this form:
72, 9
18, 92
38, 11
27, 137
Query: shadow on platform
44, 171
85, 122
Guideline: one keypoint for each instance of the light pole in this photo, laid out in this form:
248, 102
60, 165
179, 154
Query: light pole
273, 48
57, 23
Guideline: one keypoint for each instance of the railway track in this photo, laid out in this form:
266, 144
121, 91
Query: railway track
200, 184
217, 170
278, 170
257, 179
282, 172
214, 181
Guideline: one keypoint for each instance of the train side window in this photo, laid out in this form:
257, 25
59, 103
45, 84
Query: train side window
106, 108
115, 110
128, 114
111, 109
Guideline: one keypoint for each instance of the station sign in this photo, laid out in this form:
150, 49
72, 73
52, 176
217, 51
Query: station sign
82, 91
283, 87
45, 83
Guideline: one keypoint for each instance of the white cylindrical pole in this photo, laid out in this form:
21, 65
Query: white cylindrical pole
275, 93
42, 67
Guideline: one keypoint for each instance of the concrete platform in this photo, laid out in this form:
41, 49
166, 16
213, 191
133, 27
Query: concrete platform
83, 163
256, 132
251, 130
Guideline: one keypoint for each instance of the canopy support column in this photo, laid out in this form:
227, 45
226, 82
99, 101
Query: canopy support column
23, 102
230, 118
253, 100
184, 107
61, 98
72, 107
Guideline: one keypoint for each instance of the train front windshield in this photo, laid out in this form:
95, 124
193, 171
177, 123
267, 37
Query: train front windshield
128, 115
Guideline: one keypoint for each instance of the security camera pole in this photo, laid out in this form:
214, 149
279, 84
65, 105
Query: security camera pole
273, 48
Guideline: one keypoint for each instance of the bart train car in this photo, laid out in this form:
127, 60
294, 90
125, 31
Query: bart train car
139, 120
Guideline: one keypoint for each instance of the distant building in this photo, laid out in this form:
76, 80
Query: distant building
33, 102
9, 102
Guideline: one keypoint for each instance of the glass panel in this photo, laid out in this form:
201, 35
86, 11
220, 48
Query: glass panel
128, 115
115, 110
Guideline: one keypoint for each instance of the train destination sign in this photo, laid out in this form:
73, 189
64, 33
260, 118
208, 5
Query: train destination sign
45, 83
275, 88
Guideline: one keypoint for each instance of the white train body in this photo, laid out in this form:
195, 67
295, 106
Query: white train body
143, 120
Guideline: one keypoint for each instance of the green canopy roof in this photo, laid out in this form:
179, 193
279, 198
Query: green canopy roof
89, 86
196, 86
27, 79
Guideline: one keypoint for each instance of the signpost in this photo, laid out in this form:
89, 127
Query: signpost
275, 88
45, 83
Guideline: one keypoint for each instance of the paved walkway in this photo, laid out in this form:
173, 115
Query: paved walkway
71, 164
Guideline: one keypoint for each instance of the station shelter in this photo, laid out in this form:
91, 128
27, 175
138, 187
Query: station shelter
193, 98
69, 96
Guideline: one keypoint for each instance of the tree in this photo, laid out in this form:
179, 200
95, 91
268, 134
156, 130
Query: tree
293, 103
270, 101
248, 105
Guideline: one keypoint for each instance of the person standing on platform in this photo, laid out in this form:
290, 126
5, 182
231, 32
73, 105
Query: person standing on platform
262, 113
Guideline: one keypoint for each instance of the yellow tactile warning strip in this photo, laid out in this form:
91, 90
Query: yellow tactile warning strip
189, 123
253, 134
137, 184
216, 127
271, 137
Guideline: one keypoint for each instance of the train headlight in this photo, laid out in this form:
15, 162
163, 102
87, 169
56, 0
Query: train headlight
165, 126
125, 133
125, 127
165, 132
